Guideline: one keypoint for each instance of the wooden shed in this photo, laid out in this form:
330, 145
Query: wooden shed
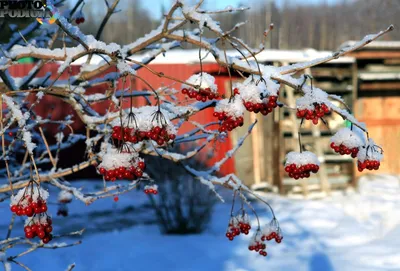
378, 97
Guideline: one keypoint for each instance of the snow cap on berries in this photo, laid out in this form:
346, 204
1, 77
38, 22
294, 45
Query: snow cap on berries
36, 193
315, 96
113, 158
145, 119
65, 196
37, 219
204, 80
234, 108
301, 158
370, 152
256, 238
348, 138
253, 88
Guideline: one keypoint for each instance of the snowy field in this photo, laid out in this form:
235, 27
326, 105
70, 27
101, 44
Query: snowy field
356, 231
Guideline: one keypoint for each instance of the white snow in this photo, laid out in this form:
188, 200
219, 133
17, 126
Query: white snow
348, 138
124, 67
203, 80
370, 152
64, 196
146, 119
315, 95
355, 231
301, 158
233, 108
113, 159
34, 192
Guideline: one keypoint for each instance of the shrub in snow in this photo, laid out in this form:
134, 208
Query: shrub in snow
301, 164
345, 141
181, 204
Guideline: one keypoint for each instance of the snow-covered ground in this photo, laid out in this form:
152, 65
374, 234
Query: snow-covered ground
356, 231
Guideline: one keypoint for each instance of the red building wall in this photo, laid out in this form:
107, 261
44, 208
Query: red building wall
59, 109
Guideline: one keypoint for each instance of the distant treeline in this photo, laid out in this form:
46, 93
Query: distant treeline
297, 24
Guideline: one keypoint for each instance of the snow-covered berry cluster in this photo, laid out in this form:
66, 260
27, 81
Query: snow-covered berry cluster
263, 108
230, 113
144, 123
301, 164
312, 106
118, 165
64, 196
207, 87
345, 141
269, 232
258, 245
258, 97
79, 17
272, 232
237, 225
158, 134
151, 189
80, 20
40, 226
369, 157
29, 201
314, 114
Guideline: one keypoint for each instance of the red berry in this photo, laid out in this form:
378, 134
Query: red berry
14, 208
29, 234
41, 234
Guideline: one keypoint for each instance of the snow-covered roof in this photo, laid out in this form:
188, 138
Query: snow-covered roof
192, 56
379, 76
375, 44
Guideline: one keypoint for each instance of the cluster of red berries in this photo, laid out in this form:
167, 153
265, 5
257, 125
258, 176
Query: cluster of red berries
301, 171
258, 247
319, 111
228, 123
343, 149
126, 134
264, 108
368, 164
121, 173
272, 235
43, 231
237, 225
79, 20
150, 189
33, 207
201, 95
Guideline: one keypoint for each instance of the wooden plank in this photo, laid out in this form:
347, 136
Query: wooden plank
375, 54
380, 86
339, 73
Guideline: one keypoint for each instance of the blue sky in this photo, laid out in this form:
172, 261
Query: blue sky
154, 6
